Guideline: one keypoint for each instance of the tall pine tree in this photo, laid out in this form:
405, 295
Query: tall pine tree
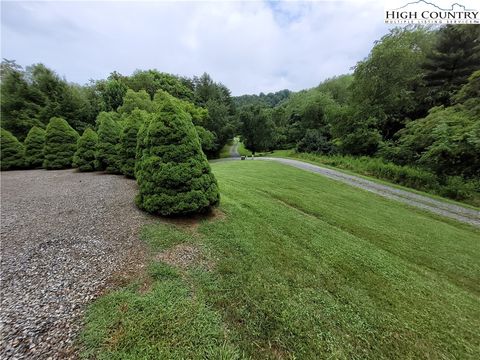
454, 58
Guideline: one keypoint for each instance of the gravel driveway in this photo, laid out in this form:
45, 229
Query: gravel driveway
460, 213
234, 150
64, 235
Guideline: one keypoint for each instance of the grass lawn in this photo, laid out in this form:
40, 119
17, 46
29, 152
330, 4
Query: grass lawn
347, 165
242, 150
299, 267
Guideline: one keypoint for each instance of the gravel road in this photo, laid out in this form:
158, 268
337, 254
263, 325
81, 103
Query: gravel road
234, 150
463, 214
65, 236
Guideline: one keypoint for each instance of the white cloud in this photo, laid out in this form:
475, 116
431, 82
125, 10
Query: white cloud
248, 46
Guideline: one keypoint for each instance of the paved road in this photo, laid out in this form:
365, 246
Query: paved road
460, 213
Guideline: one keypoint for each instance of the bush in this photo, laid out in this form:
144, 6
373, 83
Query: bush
457, 188
34, 144
173, 174
128, 141
314, 142
141, 146
207, 139
108, 146
84, 158
60, 144
11, 151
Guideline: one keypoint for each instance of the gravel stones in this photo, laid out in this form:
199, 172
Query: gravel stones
64, 235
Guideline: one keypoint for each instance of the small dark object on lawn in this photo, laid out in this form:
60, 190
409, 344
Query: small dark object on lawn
242, 158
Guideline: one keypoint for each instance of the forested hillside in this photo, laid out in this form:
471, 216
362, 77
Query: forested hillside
414, 101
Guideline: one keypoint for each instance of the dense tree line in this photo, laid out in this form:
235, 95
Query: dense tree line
414, 101
32, 96
270, 99
154, 141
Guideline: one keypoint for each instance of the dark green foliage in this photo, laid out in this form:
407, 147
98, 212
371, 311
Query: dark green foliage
387, 83
128, 140
173, 174
34, 147
216, 98
314, 142
113, 91
207, 139
456, 55
33, 96
469, 94
270, 99
338, 88
141, 146
19, 101
11, 151
108, 146
60, 144
152, 80
447, 141
84, 158
257, 128
136, 100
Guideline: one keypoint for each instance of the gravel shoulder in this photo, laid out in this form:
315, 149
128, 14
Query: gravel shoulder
64, 237
452, 211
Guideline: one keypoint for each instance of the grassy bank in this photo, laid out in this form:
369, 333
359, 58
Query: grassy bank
297, 266
454, 188
225, 151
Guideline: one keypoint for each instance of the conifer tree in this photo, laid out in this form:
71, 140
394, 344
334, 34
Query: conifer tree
141, 147
108, 145
60, 144
454, 58
11, 151
84, 158
128, 140
173, 174
34, 146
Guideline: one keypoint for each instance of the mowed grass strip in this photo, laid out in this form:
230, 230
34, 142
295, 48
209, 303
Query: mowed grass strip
305, 268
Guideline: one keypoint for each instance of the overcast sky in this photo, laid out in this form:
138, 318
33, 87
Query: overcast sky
249, 46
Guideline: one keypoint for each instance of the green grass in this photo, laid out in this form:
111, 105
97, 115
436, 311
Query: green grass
305, 268
242, 150
403, 177
225, 151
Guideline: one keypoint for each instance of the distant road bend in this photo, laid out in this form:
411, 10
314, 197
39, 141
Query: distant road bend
234, 150
450, 210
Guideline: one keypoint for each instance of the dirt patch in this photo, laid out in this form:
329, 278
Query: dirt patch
191, 223
186, 256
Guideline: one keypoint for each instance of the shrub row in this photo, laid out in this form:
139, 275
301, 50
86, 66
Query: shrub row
160, 149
